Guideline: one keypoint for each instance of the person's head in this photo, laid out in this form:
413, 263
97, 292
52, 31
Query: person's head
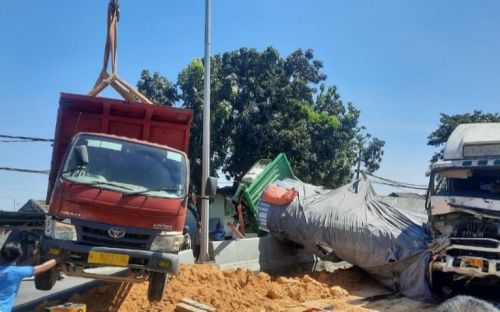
11, 252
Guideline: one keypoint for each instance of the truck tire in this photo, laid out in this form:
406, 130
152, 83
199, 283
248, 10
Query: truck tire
443, 284
156, 287
46, 280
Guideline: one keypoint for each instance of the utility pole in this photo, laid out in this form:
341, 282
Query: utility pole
359, 167
204, 256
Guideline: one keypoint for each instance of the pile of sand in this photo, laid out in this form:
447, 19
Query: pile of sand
230, 290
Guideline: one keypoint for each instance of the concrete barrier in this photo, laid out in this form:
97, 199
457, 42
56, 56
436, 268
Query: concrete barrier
259, 254
186, 257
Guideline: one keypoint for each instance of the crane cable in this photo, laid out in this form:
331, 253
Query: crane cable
126, 90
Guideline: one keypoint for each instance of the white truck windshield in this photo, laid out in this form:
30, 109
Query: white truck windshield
474, 182
127, 167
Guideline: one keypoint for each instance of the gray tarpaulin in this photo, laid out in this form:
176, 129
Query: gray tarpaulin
358, 228
413, 208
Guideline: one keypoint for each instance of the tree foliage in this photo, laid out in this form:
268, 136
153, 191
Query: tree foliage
370, 152
157, 88
263, 104
448, 123
190, 83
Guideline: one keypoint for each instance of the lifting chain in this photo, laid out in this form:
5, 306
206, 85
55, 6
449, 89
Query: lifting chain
127, 91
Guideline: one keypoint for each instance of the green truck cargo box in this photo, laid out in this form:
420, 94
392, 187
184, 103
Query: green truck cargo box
256, 180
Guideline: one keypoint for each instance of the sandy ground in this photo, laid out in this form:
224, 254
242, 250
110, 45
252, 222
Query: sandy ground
242, 290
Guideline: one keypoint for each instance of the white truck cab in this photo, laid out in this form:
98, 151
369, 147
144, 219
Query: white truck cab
463, 202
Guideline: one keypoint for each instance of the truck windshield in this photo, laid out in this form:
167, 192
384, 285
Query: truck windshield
473, 182
127, 167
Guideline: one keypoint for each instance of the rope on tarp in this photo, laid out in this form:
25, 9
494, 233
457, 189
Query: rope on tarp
126, 90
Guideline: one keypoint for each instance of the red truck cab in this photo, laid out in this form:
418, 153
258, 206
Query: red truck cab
117, 190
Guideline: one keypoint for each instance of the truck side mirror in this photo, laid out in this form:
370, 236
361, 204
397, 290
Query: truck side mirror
211, 186
82, 155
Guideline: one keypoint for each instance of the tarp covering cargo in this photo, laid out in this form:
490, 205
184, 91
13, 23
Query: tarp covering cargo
356, 227
412, 207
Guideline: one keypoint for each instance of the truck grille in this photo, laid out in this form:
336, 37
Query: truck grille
474, 253
475, 242
97, 234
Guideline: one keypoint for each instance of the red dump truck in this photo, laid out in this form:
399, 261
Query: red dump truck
117, 190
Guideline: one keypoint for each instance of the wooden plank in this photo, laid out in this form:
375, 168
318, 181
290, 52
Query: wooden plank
190, 305
183, 307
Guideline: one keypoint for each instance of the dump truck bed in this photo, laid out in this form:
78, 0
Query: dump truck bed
152, 123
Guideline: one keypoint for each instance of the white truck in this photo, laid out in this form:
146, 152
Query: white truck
463, 203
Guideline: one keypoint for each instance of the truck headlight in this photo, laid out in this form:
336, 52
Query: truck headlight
167, 242
60, 230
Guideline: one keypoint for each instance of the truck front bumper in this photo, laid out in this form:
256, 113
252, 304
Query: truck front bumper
460, 266
471, 260
78, 254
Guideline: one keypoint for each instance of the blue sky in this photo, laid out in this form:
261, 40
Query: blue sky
400, 62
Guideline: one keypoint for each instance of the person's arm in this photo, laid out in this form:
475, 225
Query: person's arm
47, 265
44, 267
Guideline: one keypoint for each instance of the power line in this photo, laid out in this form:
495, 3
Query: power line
15, 138
397, 183
17, 190
25, 170
14, 141
400, 186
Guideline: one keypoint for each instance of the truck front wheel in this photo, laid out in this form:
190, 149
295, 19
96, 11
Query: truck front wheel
157, 282
46, 280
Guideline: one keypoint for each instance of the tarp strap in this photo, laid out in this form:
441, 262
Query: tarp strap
127, 91
438, 248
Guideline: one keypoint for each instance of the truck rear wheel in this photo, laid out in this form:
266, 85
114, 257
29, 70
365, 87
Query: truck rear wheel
46, 280
156, 287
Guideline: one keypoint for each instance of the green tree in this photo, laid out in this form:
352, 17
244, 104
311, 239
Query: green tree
369, 151
263, 104
157, 88
448, 123
190, 82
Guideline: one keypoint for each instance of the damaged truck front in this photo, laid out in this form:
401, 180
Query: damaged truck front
463, 204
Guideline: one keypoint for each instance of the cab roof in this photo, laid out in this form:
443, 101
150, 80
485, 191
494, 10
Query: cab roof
470, 134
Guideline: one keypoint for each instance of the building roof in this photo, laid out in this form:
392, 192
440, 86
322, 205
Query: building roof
35, 206
407, 195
